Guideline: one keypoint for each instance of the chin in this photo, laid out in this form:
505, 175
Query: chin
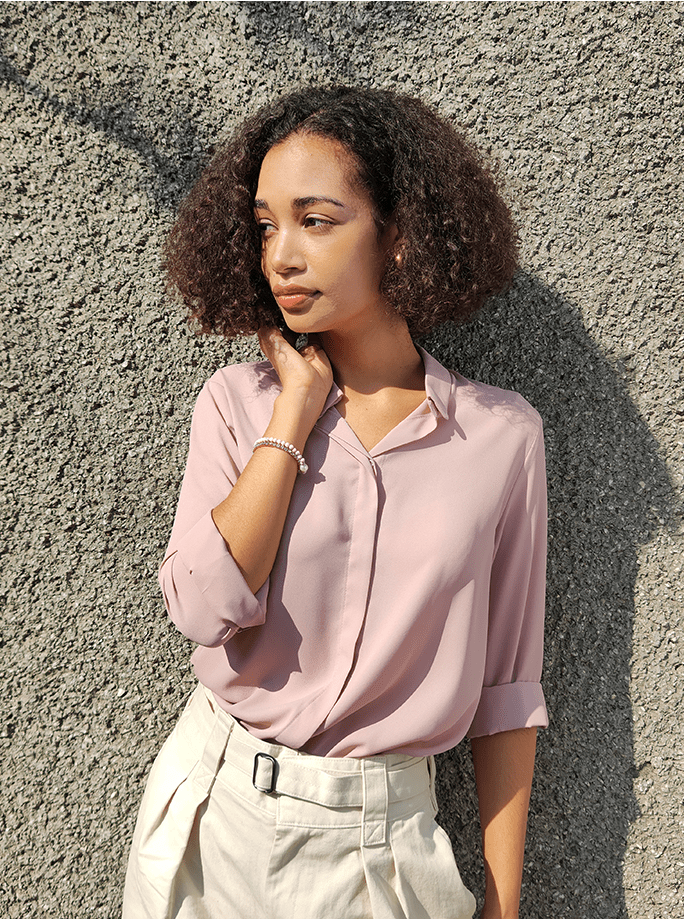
301, 325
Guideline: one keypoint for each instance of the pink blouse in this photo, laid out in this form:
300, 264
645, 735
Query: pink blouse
405, 607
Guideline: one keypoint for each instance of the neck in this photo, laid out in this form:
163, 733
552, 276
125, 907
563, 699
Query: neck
375, 358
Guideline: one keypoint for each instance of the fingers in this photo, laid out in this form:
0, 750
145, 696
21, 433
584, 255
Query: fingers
313, 351
289, 336
312, 345
268, 336
272, 339
317, 360
288, 362
272, 343
279, 352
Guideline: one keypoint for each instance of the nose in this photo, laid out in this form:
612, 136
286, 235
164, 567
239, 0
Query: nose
282, 252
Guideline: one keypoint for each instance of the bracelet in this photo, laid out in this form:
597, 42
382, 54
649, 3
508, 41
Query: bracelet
283, 445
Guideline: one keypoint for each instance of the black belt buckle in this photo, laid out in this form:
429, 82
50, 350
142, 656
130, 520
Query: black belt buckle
274, 769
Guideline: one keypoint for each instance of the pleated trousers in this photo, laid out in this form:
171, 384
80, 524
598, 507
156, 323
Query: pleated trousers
231, 827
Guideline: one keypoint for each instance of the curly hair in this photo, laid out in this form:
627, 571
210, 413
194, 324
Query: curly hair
458, 242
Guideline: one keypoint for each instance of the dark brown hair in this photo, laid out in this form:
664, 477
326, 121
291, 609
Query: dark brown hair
458, 243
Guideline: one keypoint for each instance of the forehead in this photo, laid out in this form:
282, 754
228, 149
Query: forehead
306, 164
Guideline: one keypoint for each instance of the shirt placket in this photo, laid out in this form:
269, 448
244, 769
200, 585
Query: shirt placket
360, 559
362, 541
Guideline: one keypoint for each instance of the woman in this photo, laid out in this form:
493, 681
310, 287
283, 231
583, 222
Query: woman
359, 545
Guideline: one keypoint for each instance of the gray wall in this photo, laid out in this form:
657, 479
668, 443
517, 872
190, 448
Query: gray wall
106, 109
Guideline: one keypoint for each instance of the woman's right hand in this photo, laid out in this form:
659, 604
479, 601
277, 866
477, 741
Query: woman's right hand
306, 375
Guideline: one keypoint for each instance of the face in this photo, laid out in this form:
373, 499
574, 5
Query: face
321, 254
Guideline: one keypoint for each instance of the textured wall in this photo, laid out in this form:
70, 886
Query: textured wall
106, 109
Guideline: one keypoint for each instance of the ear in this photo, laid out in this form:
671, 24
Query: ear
391, 238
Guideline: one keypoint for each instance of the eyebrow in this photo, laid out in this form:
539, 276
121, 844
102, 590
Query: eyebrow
299, 204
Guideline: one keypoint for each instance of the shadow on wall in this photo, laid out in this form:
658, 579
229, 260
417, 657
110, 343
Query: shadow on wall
608, 491
117, 116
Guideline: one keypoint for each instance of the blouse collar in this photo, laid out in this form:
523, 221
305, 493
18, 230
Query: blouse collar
438, 386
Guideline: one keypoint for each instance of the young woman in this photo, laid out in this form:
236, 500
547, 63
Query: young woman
359, 546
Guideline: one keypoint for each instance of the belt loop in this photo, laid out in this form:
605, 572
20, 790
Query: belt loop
214, 751
375, 803
432, 774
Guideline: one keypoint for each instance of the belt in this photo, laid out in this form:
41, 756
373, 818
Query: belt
332, 782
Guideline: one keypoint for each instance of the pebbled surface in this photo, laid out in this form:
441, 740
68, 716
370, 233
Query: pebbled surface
106, 109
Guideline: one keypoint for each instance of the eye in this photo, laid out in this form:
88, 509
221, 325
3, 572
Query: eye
317, 222
265, 227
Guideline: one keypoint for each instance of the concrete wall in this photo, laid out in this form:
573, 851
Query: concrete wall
106, 110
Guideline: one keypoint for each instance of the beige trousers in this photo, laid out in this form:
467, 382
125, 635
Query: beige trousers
231, 827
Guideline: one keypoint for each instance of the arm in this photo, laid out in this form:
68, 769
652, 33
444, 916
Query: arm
214, 576
504, 763
503, 733
252, 516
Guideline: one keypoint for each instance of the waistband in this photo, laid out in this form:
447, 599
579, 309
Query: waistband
371, 783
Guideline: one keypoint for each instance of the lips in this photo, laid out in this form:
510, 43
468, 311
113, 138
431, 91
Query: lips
290, 297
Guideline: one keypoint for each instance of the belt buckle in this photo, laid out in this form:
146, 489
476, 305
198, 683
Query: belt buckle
274, 768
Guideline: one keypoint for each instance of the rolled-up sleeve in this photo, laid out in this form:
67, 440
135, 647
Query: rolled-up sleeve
512, 695
204, 590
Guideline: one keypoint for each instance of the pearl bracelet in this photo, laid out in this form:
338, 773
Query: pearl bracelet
282, 445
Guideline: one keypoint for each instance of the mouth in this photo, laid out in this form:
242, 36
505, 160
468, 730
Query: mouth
289, 298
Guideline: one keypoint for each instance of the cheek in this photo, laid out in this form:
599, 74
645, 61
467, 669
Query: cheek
364, 255
371, 264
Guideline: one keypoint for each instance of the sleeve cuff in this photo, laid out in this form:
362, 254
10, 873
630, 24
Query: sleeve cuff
508, 707
216, 600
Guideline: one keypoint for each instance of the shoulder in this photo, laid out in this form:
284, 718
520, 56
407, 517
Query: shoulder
238, 390
245, 383
500, 408
254, 377
478, 403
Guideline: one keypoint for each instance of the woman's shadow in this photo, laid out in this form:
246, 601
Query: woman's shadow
608, 491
